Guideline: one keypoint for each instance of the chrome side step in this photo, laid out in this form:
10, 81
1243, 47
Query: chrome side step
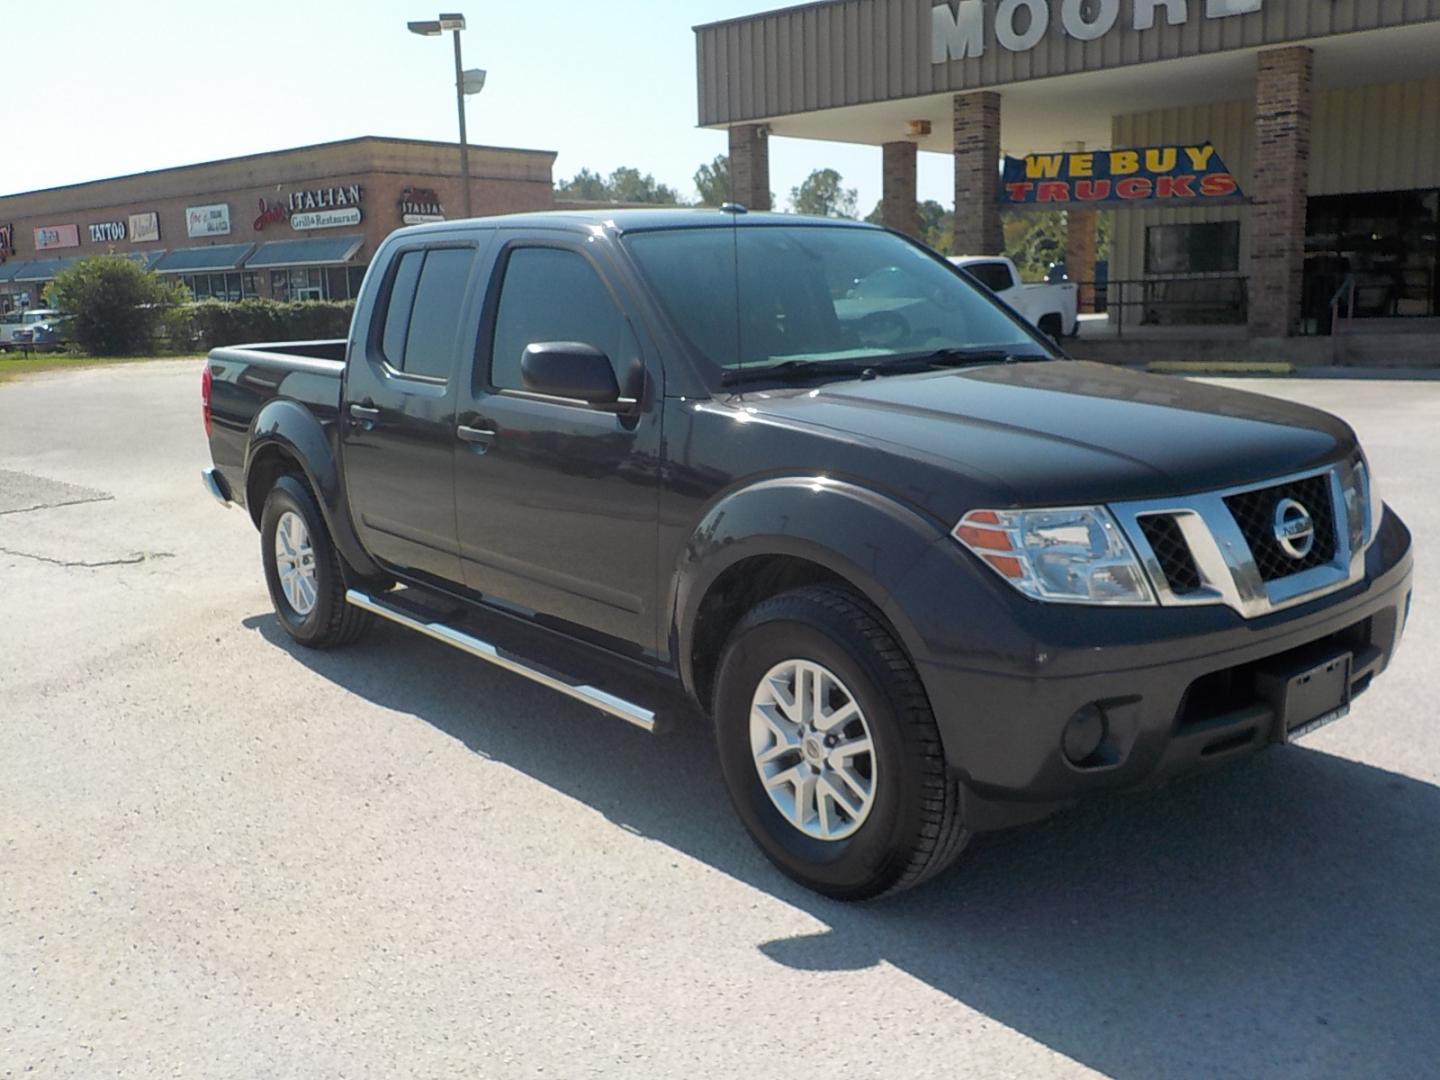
458, 639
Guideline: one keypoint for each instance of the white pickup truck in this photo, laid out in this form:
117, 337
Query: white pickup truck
1051, 309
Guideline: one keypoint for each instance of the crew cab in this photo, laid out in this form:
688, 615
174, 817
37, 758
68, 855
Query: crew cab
1054, 309
925, 575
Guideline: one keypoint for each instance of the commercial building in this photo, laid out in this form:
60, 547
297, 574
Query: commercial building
295, 224
1287, 152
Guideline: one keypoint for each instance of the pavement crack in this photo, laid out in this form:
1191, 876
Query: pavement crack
56, 506
133, 560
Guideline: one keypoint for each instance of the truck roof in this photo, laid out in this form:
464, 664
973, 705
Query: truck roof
631, 220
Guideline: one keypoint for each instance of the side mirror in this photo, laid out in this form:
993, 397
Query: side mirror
569, 369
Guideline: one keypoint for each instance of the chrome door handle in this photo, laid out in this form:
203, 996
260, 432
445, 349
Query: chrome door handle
474, 435
362, 412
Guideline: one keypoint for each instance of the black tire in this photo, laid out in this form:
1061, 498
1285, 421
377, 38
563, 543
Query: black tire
331, 622
914, 828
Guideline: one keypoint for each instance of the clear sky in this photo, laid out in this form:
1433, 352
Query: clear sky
99, 88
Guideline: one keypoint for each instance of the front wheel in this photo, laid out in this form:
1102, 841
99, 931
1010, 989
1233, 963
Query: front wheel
830, 750
303, 572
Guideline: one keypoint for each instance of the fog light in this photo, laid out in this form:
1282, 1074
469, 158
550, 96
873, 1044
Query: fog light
1084, 732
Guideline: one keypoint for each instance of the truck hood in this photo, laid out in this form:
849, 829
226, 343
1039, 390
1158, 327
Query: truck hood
1066, 432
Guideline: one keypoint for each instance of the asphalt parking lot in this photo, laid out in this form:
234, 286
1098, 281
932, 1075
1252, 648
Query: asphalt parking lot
221, 856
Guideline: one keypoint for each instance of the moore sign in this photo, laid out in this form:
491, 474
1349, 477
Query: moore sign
959, 31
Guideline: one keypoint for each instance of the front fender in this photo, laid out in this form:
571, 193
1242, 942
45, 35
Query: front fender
293, 430
864, 537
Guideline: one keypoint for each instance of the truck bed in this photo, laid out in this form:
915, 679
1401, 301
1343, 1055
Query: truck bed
244, 378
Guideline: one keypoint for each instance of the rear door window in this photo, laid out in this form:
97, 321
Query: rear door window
423, 314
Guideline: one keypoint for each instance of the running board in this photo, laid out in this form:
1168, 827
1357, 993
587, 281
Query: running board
458, 639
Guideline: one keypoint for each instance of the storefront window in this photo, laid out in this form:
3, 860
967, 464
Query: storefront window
230, 287
1387, 243
1204, 248
298, 283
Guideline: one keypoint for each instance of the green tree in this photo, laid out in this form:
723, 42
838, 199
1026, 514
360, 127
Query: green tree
118, 307
586, 186
937, 225
624, 185
823, 194
627, 185
712, 181
1034, 239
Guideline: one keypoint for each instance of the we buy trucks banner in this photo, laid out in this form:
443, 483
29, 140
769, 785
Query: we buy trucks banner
1164, 175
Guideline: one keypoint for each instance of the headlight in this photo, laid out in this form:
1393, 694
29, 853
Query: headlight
1075, 556
1363, 507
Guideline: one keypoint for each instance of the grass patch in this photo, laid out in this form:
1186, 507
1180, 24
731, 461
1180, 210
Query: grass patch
14, 365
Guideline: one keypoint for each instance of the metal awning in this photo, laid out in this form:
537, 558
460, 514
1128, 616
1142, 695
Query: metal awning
321, 251
10, 269
150, 257
44, 269
200, 260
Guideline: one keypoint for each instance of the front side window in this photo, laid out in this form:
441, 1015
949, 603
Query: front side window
551, 295
823, 297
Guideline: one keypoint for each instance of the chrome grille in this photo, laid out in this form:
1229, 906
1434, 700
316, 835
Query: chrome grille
1254, 512
1219, 547
1173, 553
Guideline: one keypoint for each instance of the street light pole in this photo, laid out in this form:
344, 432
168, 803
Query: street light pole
460, 107
466, 82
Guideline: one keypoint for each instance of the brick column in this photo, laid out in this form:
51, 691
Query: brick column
898, 208
750, 166
1278, 191
1080, 237
977, 174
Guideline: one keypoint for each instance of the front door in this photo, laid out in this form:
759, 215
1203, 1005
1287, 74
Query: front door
398, 409
557, 502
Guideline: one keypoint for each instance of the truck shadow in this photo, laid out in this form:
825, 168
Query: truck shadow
1276, 918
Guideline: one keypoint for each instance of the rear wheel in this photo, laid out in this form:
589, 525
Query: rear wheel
303, 572
830, 750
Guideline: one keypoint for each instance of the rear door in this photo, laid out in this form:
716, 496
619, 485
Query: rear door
398, 410
556, 501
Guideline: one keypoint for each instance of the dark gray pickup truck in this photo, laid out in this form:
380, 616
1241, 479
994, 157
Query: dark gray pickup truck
927, 576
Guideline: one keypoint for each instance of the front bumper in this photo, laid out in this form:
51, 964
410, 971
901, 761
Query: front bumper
1177, 685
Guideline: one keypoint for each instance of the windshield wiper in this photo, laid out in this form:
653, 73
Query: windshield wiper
909, 363
794, 370
965, 357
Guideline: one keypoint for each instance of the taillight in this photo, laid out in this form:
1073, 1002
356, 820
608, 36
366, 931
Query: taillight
205, 390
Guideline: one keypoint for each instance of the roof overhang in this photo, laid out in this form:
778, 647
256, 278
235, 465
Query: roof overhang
860, 71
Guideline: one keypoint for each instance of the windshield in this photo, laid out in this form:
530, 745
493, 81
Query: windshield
760, 297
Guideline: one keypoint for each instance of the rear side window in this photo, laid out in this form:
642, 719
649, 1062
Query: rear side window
423, 315
994, 276
397, 315
551, 295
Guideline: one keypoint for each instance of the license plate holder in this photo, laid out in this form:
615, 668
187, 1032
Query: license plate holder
1307, 693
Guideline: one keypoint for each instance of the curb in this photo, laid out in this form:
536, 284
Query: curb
1221, 367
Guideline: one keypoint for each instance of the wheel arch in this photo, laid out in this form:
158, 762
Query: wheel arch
287, 437
753, 544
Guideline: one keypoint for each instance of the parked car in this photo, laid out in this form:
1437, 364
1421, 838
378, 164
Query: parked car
925, 587
51, 334
37, 327
1051, 308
